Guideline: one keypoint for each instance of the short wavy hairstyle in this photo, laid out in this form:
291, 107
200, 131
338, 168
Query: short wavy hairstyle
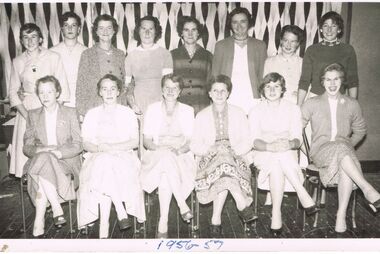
157, 28
174, 78
273, 77
296, 30
70, 14
220, 79
188, 19
104, 17
336, 19
236, 11
334, 67
111, 77
46, 79
30, 28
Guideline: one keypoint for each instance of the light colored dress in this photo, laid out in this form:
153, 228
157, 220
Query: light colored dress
269, 123
290, 68
25, 71
114, 173
177, 128
146, 67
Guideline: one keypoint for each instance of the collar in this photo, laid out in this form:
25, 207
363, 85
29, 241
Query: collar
330, 43
155, 46
53, 112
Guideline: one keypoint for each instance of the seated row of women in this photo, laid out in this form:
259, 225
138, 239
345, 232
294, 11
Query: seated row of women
222, 138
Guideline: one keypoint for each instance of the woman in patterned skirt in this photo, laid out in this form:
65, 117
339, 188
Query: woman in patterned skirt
221, 141
338, 126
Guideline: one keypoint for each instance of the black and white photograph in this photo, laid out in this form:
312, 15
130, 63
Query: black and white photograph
189, 126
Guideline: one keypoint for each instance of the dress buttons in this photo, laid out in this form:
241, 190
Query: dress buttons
108, 61
110, 71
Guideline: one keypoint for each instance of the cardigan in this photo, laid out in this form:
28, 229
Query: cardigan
224, 58
318, 56
351, 126
90, 72
154, 116
204, 131
196, 73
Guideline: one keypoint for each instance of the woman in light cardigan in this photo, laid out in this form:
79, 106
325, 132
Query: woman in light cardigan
338, 126
168, 163
221, 141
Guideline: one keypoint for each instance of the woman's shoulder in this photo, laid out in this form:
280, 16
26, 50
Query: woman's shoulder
235, 110
125, 110
204, 112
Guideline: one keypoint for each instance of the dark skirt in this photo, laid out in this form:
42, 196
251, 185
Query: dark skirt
219, 171
57, 172
328, 160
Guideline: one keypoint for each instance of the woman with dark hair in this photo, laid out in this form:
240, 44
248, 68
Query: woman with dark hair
287, 63
330, 50
242, 58
193, 63
276, 132
221, 141
337, 127
168, 163
101, 59
34, 63
52, 142
145, 65
110, 172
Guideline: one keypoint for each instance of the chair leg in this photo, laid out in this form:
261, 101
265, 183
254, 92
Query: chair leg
306, 184
195, 211
22, 207
72, 231
319, 194
256, 198
354, 209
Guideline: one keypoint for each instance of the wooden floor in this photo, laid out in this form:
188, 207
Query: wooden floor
368, 225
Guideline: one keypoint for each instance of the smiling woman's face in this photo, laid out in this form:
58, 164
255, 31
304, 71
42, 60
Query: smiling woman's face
109, 91
332, 83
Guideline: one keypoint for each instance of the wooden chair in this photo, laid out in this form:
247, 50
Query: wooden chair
23, 184
313, 180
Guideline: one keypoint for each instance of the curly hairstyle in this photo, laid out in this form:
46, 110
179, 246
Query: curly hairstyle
46, 79
157, 28
336, 19
236, 11
188, 19
29, 28
104, 17
272, 77
111, 77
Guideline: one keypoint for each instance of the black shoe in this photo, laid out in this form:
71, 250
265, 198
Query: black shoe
311, 210
215, 231
375, 206
276, 233
162, 235
247, 214
125, 223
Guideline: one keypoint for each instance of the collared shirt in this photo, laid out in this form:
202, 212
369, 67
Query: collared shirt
51, 126
333, 103
290, 68
241, 94
70, 58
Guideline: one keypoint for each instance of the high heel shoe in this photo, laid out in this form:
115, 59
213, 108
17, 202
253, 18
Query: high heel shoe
375, 206
215, 231
187, 216
59, 221
311, 210
161, 235
247, 214
125, 223
276, 233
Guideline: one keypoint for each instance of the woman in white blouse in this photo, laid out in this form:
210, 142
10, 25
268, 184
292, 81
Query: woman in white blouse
111, 168
276, 131
168, 163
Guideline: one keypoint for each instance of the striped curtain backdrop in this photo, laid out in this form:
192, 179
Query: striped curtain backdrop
268, 19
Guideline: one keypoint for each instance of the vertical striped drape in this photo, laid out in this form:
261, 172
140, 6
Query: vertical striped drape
268, 19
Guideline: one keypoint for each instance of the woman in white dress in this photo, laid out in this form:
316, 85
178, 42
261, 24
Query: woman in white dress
168, 163
35, 62
111, 167
276, 131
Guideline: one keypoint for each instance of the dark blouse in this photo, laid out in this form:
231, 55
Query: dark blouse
196, 72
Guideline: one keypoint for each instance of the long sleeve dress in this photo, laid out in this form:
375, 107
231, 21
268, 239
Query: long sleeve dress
269, 123
114, 173
24, 74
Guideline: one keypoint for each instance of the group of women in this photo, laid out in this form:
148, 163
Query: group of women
210, 152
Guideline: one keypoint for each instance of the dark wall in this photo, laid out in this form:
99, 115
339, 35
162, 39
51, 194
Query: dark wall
365, 38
